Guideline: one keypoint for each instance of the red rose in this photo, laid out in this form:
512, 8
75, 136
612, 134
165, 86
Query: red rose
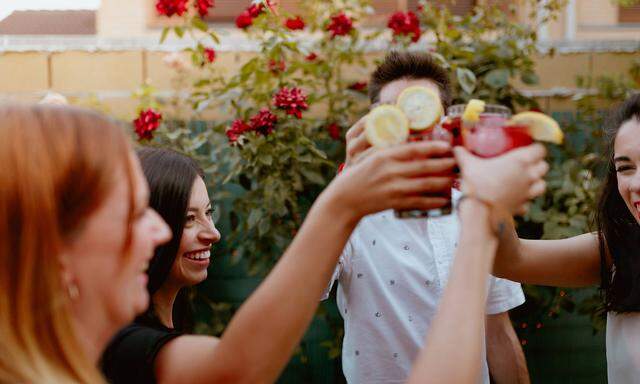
146, 123
244, 20
210, 54
277, 66
264, 122
405, 24
238, 128
171, 7
335, 133
358, 86
255, 9
293, 100
311, 57
203, 7
340, 25
295, 23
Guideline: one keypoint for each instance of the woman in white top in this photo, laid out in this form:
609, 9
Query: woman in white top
609, 257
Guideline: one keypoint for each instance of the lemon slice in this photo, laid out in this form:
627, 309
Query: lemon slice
386, 125
541, 127
473, 110
422, 106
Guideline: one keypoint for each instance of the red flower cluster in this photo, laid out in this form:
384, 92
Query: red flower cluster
405, 24
358, 86
264, 122
238, 128
171, 7
334, 131
294, 23
277, 66
293, 101
340, 25
203, 7
245, 19
311, 57
146, 123
210, 54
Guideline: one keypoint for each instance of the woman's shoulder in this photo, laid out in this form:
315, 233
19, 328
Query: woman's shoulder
131, 353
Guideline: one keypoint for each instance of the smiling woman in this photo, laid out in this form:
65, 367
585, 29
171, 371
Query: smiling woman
609, 257
75, 238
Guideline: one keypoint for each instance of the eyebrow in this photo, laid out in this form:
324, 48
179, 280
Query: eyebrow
621, 158
195, 208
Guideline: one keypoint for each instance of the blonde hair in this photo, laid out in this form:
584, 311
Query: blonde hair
57, 166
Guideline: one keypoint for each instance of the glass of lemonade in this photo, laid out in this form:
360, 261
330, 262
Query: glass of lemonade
492, 135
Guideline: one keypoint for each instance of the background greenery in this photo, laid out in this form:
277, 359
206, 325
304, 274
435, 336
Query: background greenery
263, 185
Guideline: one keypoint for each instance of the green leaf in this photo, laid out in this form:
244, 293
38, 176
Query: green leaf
264, 227
214, 37
254, 217
201, 83
530, 78
313, 176
497, 78
199, 24
466, 79
165, 33
179, 31
266, 160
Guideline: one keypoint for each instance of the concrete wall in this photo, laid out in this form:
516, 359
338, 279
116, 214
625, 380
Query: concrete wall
110, 77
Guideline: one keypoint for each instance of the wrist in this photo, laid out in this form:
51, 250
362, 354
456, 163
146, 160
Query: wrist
334, 204
483, 214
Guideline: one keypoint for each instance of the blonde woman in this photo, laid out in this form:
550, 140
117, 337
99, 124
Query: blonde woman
76, 234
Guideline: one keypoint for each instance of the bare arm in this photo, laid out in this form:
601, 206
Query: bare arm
573, 262
505, 358
262, 335
454, 342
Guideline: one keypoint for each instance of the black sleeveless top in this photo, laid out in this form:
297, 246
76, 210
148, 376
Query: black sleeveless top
131, 354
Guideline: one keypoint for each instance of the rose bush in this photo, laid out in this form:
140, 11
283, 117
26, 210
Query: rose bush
280, 119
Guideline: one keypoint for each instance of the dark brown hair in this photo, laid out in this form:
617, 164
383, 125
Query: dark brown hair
618, 231
170, 176
409, 65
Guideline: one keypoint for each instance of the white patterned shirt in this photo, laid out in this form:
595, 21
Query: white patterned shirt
392, 274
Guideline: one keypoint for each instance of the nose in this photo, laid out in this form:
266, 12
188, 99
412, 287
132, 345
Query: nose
160, 229
634, 185
209, 233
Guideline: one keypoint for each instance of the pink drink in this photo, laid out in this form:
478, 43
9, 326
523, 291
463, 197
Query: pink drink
491, 135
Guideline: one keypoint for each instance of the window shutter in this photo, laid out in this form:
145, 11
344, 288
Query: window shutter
630, 14
227, 10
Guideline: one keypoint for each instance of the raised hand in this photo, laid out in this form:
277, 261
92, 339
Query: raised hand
508, 181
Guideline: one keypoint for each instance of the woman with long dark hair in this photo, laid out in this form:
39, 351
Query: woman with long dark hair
609, 257
261, 336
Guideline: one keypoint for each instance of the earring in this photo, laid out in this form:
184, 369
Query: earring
73, 291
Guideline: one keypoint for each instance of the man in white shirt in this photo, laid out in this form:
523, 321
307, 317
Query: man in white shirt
393, 272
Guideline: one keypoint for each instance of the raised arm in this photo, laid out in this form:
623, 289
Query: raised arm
455, 340
572, 262
262, 335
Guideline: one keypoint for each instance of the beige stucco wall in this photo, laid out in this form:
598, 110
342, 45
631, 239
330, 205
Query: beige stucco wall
111, 77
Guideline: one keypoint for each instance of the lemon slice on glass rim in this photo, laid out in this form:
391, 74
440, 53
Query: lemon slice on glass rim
386, 125
422, 106
473, 110
540, 126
